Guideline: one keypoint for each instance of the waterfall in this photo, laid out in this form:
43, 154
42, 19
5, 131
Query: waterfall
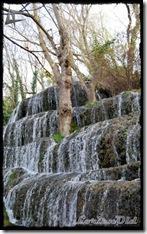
25, 156
79, 152
132, 146
48, 158
104, 199
58, 199
135, 102
26, 207
80, 147
89, 173
103, 106
53, 122
119, 103
35, 104
40, 126
15, 113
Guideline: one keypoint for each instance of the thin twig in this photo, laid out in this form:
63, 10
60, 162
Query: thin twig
31, 52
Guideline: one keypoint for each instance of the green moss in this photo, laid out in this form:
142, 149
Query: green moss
74, 127
58, 137
6, 219
92, 104
12, 177
126, 93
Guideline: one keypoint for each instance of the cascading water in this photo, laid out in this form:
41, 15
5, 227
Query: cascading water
135, 102
48, 158
35, 105
15, 113
119, 104
54, 184
132, 144
25, 156
103, 106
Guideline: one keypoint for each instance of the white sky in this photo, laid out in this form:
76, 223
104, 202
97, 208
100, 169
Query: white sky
115, 15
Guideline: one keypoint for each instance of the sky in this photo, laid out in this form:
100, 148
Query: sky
115, 14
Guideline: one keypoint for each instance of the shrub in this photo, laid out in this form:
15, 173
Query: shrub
58, 137
74, 127
91, 104
7, 110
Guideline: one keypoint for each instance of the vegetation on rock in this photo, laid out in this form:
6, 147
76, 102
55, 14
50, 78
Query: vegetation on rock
58, 137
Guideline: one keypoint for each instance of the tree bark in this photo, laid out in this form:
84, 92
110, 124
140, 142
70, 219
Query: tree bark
65, 83
91, 92
131, 40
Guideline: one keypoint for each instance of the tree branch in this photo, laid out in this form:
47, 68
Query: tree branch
50, 15
38, 23
31, 52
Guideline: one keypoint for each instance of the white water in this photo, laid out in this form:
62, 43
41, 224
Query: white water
35, 104
80, 153
132, 151
14, 114
84, 144
48, 158
103, 106
136, 102
25, 156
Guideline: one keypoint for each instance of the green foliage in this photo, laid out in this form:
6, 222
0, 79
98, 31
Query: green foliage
46, 75
18, 81
74, 127
91, 104
12, 177
15, 91
126, 93
100, 49
7, 110
58, 137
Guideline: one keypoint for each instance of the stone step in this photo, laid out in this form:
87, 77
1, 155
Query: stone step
48, 100
125, 172
57, 200
105, 144
44, 124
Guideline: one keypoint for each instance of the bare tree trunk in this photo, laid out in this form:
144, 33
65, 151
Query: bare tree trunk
65, 106
19, 79
65, 83
91, 92
43, 45
131, 40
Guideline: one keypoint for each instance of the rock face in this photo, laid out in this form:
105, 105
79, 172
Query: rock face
90, 178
